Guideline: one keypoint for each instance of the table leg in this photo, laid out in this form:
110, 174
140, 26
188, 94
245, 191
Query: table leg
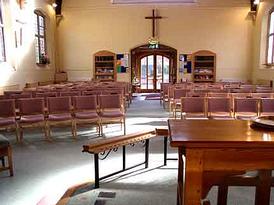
180, 186
263, 188
193, 177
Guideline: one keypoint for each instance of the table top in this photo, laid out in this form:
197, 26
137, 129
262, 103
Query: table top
218, 133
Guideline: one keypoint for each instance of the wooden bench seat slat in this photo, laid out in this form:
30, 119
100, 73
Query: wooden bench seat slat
110, 143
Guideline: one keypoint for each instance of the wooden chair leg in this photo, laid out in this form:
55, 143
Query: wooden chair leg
10, 161
124, 121
73, 132
48, 132
45, 131
17, 133
20, 134
102, 132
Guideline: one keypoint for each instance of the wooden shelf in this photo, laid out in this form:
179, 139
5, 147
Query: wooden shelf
203, 80
204, 66
110, 74
104, 66
203, 74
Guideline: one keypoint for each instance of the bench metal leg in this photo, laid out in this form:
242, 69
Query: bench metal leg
146, 153
96, 170
165, 151
124, 157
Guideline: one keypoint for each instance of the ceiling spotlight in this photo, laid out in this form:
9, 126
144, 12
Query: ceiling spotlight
54, 5
256, 2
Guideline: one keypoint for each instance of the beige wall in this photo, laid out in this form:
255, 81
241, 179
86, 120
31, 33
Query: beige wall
89, 26
20, 66
260, 71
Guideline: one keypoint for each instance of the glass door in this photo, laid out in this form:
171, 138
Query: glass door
154, 71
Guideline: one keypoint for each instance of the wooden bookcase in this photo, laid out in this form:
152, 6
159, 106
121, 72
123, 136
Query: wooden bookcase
105, 66
204, 66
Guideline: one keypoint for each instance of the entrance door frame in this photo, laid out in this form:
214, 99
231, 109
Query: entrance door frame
142, 51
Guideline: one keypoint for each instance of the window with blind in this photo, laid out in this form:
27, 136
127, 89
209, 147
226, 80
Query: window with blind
270, 39
2, 38
40, 38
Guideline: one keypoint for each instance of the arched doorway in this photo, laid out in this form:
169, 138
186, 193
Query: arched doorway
151, 67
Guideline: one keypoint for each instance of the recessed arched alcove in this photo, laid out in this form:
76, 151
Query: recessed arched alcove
151, 66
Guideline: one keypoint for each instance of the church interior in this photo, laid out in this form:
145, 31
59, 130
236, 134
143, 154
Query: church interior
168, 102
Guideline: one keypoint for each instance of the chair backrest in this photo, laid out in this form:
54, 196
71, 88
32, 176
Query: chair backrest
7, 108
164, 86
218, 94
267, 105
261, 95
178, 93
170, 92
70, 93
8, 93
196, 94
88, 102
245, 105
29, 106
59, 104
92, 92
110, 102
21, 95
114, 91
46, 94
218, 104
193, 104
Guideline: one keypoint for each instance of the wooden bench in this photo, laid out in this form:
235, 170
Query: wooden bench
5, 151
105, 146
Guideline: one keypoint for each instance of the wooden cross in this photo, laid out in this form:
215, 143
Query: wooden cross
153, 18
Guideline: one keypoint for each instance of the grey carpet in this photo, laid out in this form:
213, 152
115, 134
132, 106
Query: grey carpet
45, 169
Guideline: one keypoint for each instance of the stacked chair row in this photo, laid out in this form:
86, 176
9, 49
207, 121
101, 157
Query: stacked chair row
223, 107
63, 110
74, 89
219, 87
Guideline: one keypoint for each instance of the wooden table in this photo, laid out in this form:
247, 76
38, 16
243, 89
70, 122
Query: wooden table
210, 147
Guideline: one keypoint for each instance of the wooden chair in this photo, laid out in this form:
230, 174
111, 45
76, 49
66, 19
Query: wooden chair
16, 97
85, 111
164, 92
59, 109
219, 108
266, 107
8, 116
32, 114
193, 108
46, 95
175, 103
245, 108
111, 110
6, 151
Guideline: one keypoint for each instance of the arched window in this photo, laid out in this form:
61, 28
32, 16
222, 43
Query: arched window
2, 39
40, 38
270, 39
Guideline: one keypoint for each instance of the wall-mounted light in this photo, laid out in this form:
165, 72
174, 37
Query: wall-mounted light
256, 2
54, 5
